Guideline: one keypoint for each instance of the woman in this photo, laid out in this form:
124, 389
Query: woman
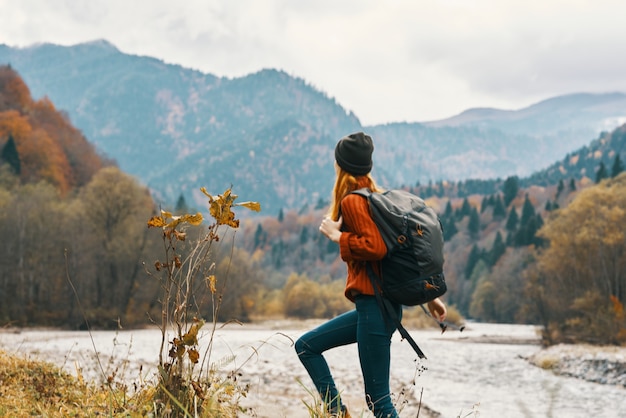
350, 225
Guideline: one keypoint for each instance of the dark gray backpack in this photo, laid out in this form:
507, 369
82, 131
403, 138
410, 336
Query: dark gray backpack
412, 270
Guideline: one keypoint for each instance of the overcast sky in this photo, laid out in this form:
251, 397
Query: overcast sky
387, 61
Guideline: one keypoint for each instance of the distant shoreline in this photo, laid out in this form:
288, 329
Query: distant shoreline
598, 364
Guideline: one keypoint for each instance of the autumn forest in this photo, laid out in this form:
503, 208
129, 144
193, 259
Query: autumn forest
77, 250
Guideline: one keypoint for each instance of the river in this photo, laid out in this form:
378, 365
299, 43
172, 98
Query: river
482, 371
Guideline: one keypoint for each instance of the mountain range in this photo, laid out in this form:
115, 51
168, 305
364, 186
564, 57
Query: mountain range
271, 135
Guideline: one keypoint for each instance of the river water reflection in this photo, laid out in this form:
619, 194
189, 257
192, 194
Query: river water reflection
480, 372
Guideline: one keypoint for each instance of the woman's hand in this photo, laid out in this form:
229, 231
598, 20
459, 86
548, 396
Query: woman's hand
437, 309
331, 229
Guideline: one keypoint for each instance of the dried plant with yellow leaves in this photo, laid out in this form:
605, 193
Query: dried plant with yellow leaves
189, 385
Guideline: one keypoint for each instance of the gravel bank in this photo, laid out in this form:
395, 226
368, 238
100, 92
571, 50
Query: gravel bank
599, 364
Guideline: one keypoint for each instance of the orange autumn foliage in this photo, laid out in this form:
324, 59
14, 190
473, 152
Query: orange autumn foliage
14, 94
49, 147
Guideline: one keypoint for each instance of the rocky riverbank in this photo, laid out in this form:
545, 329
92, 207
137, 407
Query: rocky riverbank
599, 364
488, 369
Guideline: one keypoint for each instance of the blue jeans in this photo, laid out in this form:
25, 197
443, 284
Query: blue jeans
372, 332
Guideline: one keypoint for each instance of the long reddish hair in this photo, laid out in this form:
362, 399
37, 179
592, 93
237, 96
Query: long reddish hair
344, 184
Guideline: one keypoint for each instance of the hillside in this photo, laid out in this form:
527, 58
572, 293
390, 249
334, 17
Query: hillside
37, 142
178, 130
607, 150
271, 134
575, 111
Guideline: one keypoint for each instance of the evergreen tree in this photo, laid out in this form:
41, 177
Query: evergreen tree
448, 211
512, 220
449, 228
472, 260
465, 209
441, 191
551, 205
548, 206
473, 226
321, 204
526, 235
331, 247
510, 189
572, 184
601, 174
484, 254
510, 239
259, 236
461, 190
181, 205
497, 250
304, 235
11, 156
560, 188
521, 236
278, 250
484, 204
429, 190
499, 211
281, 215
528, 212
617, 167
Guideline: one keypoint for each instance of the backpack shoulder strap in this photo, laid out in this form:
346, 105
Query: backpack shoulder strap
363, 192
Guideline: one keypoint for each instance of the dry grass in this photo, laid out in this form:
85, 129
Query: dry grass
548, 362
31, 387
36, 388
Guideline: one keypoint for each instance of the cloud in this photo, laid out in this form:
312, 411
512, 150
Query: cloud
385, 60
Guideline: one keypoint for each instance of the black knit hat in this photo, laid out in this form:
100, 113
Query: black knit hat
354, 153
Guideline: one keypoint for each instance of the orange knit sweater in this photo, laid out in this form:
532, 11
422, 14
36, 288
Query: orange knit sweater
360, 242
